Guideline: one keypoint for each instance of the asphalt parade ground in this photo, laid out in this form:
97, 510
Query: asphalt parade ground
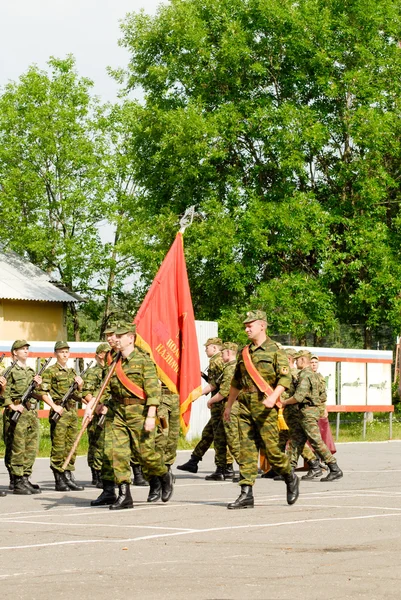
340, 540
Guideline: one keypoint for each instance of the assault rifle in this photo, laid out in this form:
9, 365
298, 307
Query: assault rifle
28, 393
68, 394
8, 371
204, 375
2, 356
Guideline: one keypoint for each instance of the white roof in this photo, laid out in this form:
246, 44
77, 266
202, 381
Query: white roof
22, 280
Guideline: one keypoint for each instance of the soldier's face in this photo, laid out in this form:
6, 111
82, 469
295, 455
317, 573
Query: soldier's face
21, 353
124, 340
254, 328
301, 362
211, 350
225, 355
62, 356
111, 339
314, 363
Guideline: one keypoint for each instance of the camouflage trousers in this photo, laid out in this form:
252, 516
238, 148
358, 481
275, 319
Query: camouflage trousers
258, 429
95, 444
292, 417
166, 440
130, 437
307, 429
223, 457
107, 456
21, 441
63, 435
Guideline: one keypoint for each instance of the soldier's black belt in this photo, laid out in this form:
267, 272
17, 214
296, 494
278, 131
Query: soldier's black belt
129, 401
250, 389
167, 392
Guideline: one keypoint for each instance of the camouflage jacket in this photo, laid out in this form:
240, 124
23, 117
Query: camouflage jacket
307, 389
216, 368
322, 388
93, 380
140, 368
56, 380
17, 383
294, 380
225, 381
271, 362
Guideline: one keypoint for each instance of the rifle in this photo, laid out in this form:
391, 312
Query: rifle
205, 375
28, 393
68, 394
8, 371
96, 402
2, 356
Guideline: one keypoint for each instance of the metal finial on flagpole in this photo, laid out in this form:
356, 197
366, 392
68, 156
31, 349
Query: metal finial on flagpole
187, 218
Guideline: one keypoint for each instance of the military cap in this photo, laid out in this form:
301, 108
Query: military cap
217, 341
291, 352
255, 315
315, 356
19, 344
125, 328
103, 347
61, 346
303, 353
230, 346
111, 328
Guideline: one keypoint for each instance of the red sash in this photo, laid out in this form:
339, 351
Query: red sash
127, 383
256, 377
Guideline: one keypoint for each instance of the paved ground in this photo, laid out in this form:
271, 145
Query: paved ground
340, 540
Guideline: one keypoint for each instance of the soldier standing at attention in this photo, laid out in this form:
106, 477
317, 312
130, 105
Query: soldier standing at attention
306, 396
56, 381
135, 394
92, 383
261, 374
21, 438
216, 368
314, 363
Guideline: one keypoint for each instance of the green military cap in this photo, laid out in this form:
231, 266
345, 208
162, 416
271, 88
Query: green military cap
303, 353
61, 346
103, 347
315, 356
230, 346
125, 328
255, 315
19, 344
291, 352
111, 328
217, 341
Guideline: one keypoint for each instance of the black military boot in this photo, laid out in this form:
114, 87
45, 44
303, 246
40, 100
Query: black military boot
218, 475
155, 491
334, 472
272, 474
166, 481
138, 479
2, 494
244, 500
99, 483
70, 481
20, 487
94, 476
124, 499
34, 488
191, 466
314, 471
292, 483
61, 484
108, 496
11, 485
229, 472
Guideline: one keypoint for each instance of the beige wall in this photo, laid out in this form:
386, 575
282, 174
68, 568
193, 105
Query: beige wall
40, 321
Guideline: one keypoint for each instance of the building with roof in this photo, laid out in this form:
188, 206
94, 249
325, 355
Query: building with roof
32, 306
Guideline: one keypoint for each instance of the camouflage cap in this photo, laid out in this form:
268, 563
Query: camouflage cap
303, 353
291, 352
19, 344
255, 315
60, 346
230, 346
215, 340
111, 328
314, 356
125, 328
103, 347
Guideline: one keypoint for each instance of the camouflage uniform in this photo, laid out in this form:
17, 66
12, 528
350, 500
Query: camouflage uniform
21, 439
92, 383
307, 429
167, 439
56, 381
128, 433
258, 424
230, 429
322, 395
107, 456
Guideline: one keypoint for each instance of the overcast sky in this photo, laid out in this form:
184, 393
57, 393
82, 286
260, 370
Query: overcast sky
33, 30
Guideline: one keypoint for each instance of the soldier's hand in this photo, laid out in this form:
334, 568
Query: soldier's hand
88, 414
3, 381
58, 409
210, 403
227, 414
79, 381
326, 414
38, 379
17, 407
268, 402
150, 423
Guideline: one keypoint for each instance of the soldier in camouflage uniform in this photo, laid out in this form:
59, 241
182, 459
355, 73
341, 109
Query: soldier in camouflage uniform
92, 383
314, 363
57, 379
306, 397
258, 415
21, 438
215, 371
135, 394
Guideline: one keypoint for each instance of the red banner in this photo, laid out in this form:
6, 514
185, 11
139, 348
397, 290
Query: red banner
165, 326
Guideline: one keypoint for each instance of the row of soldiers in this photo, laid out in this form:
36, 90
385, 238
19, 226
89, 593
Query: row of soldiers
136, 422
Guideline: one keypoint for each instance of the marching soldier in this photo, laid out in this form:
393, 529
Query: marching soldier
21, 438
56, 381
261, 374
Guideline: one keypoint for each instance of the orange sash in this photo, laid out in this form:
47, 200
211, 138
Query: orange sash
127, 383
256, 377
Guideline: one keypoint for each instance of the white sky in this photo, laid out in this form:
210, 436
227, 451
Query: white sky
33, 30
